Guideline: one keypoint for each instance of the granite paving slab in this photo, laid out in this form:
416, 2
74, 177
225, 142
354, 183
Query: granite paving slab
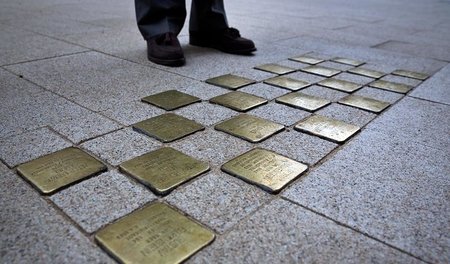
129, 113
435, 88
379, 94
206, 113
279, 113
325, 93
347, 114
264, 90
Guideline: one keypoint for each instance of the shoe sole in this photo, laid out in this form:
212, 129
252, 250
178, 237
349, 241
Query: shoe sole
172, 63
205, 45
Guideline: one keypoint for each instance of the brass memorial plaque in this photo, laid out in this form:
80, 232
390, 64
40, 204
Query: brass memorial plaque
303, 101
54, 171
391, 86
365, 103
367, 73
265, 168
250, 128
287, 83
168, 127
170, 100
411, 74
340, 85
320, 70
238, 101
155, 234
230, 81
275, 68
164, 169
348, 61
328, 128
307, 59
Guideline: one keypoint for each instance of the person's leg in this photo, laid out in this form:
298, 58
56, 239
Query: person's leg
207, 15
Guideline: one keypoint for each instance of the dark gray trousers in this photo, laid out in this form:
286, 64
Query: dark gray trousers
156, 17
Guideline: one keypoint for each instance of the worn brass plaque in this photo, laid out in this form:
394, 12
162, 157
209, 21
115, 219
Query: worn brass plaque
238, 101
275, 68
303, 101
155, 234
340, 85
391, 86
230, 81
265, 168
287, 83
411, 74
168, 127
164, 169
365, 103
320, 70
328, 128
170, 100
348, 61
250, 128
367, 73
307, 59
54, 171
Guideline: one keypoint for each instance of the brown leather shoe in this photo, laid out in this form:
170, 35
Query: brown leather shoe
227, 40
165, 49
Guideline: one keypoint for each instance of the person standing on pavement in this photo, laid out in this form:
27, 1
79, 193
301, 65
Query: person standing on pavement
160, 22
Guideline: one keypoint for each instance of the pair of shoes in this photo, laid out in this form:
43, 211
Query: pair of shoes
165, 49
228, 40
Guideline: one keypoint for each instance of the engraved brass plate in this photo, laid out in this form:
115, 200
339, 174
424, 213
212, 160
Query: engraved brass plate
250, 128
307, 59
287, 83
303, 101
411, 74
365, 103
275, 68
367, 73
328, 128
238, 101
155, 234
168, 127
164, 169
230, 81
348, 61
320, 70
391, 86
54, 171
340, 85
264, 168
170, 100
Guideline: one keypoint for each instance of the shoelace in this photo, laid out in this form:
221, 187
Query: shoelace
232, 32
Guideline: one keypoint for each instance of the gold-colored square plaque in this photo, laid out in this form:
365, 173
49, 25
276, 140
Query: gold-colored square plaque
411, 74
155, 234
365, 103
275, 68
265, 168
303, 101
340, 85
250, 128
391, 86
170, 100
54, 171
320, 70
230, 81
168, 127
328, 128
238, 101
307, 59
367, 73
164, 169
348, 61
287, 83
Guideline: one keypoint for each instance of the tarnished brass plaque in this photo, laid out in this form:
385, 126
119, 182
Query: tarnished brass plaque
365, 103
287, 83
411, 74
265, 168
250, 128
367, 73
320, 70
164, 169
307, 59
391, 86
168, 127
230, 81
303, 101
275, 68
348, 61
170, 100
155, 234
328, 128
54, 171
238, 101
340, 85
